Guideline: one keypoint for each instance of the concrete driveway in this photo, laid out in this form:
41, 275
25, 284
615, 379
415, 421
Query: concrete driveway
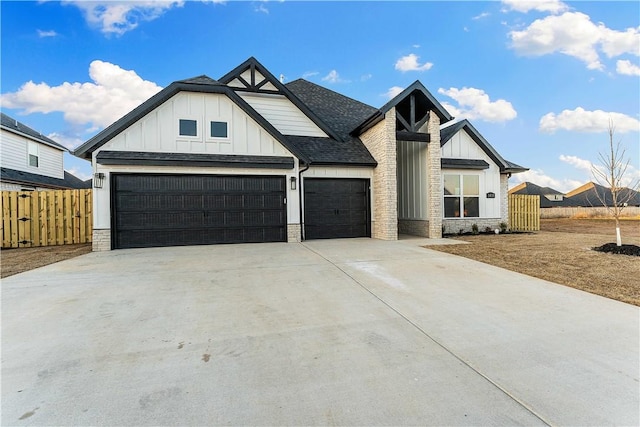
335, 332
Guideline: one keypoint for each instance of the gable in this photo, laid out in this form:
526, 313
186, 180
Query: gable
158, 130
282, 114
462, 146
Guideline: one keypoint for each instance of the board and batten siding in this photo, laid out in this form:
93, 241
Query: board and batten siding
158, 132
15, 156
412, 180
462, 146
283, 115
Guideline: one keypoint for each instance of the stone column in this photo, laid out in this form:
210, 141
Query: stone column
380, 140
435, 197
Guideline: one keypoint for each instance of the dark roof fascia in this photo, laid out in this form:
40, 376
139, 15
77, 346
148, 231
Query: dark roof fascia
194, 160
373, 120
85, 150
403, 135
505, 167
442, 113
23, 130
253, 62
474, 164
352, 164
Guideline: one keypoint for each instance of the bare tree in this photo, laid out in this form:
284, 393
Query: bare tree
611, 172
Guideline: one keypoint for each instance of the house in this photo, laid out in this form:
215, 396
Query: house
31, 161
246, 158
586, 196
549, 197
596, 195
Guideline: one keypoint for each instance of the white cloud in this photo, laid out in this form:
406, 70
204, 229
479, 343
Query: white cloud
70, 141
552, 6
393, 92
262, 8
308, 74
113, 93
333, 77
118, 17
631, 176
50, 33
475, 104
78, 173
410, 63
365, 77
577, 162
480, 16
574, 34
581, 120
539, 177
627, 68
416, 46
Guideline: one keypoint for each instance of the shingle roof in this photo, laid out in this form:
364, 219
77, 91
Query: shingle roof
446, 133
35, 180
12, 124
328, 151
592, 194
341, 113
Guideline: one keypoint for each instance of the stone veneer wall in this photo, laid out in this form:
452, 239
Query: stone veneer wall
504, 197
293, 233
435, 198
380, 140
453, 226
101, 240
414, 227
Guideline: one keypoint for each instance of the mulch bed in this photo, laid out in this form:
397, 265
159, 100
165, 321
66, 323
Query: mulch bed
612, 248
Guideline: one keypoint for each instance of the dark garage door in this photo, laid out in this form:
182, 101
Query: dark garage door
171, 210
335, 208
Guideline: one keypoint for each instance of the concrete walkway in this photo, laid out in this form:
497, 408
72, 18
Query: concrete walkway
334, 332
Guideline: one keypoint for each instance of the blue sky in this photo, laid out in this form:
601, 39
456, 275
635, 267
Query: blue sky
539, 79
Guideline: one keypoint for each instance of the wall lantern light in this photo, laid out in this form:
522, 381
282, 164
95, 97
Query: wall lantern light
293, 180
98, 180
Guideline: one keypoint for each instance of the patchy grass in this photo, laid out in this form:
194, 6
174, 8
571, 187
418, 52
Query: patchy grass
562, 253
18, 260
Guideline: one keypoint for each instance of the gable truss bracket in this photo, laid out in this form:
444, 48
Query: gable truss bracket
410, 124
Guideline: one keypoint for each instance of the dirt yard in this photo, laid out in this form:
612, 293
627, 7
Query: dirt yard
561, 253
17, 260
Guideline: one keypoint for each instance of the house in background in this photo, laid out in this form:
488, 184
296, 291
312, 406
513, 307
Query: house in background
589, 195
31, 161
549, 197
246, 158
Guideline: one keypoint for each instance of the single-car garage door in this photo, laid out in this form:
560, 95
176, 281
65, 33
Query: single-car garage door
336, 208
170, 210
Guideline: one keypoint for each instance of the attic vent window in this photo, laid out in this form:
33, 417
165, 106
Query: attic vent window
219, 130
188, 127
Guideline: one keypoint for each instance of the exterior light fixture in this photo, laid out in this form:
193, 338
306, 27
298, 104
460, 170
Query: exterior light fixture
293, 180
98, 180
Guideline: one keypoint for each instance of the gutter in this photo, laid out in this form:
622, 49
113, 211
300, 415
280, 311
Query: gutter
307, 166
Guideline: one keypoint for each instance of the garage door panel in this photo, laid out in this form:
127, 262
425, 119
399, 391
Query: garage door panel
168, 210
336, 208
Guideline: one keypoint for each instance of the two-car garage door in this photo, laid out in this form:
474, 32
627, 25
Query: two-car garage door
169, 210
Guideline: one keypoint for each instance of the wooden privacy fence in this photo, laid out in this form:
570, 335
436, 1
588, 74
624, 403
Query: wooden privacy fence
46, 218
524, 212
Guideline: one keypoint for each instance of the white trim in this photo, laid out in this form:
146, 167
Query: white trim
210, 138
198, 130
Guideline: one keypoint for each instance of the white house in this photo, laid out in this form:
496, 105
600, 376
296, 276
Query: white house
246, 158
30, 160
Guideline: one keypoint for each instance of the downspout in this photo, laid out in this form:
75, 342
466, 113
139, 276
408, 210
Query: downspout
300, 199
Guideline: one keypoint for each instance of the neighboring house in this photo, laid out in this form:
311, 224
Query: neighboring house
247, 158
586, 196
596, 195
31, 161
549, 197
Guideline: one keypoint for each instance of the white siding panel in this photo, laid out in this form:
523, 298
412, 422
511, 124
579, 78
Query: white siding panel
283, 115
14, 156
462, 146
412, 180
158, 130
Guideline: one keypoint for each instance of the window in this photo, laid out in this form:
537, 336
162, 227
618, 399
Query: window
33, 154
188, 127
461, 196
219, 130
